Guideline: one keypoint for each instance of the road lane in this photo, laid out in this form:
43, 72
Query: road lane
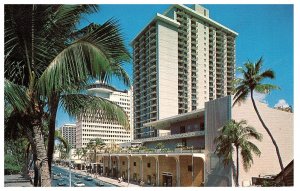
65, 176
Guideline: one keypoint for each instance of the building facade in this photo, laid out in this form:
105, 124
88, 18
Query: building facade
179, 162
188, 158
68, 131
90, 126
182, 59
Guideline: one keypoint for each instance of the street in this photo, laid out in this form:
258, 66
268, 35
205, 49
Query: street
65, 176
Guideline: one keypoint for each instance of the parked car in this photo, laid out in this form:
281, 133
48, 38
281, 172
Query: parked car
79, 184
56, 177
78, 175
88, 178
61, 182
99, 183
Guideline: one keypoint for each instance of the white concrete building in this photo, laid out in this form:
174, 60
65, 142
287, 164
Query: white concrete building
280, 124
182, 59
68, 131
89, 127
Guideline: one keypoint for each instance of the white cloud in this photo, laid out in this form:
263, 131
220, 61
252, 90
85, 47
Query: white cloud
281, 103
259, 97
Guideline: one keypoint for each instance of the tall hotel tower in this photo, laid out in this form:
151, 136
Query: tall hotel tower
68, 131
111, 132
181, 60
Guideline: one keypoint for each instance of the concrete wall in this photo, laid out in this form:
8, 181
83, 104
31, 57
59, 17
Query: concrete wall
149, 175
280, 123
123, 166
167, 70
167, 165
217, 113
186, 175
135, 170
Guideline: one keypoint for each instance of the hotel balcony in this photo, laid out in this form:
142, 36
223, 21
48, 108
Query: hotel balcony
230, 42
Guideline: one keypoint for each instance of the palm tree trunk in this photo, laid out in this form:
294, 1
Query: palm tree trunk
41, 161
237, 166
268, 131
53, 112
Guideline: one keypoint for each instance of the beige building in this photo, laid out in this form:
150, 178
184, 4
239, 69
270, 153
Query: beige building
281, 126
90, 126
280, 123
182, 59
194, 162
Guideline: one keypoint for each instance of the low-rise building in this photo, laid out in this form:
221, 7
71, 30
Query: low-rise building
184, 154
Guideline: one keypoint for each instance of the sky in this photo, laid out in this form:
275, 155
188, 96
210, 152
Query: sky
264, 31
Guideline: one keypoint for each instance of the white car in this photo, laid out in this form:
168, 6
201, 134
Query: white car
79, 184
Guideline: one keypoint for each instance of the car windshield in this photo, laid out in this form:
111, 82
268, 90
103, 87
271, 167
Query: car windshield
79, 182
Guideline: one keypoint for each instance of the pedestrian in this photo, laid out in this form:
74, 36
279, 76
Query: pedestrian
142, 183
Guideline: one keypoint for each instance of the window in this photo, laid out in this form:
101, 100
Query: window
182, 129
123, 162
148, 165
190, 168
134, 163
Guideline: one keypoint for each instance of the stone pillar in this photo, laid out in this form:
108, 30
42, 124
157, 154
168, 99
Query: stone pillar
141, 168
128, 168
177, 170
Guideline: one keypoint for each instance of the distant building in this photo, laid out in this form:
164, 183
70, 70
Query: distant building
287, 109
68, 131
111, 132
188, 157
181, 60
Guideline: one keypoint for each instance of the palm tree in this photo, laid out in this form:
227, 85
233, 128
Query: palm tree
235, 136
84, 154
62, 150
95, 145
48, 62
78, 153
252, 80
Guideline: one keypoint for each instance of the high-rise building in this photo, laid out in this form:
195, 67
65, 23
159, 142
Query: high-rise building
182, 59
68, 131
90, 126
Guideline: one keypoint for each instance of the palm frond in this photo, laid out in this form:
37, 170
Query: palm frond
265, 88
247, 158
258, 65
94, 56
16, 96
254, 148
79, 104
62, 140
268, 74
241, 97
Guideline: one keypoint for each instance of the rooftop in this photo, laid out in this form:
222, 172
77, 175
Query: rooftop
166, 122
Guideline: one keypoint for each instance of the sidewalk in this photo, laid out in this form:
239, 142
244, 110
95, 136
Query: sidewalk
16, 180
105, 179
